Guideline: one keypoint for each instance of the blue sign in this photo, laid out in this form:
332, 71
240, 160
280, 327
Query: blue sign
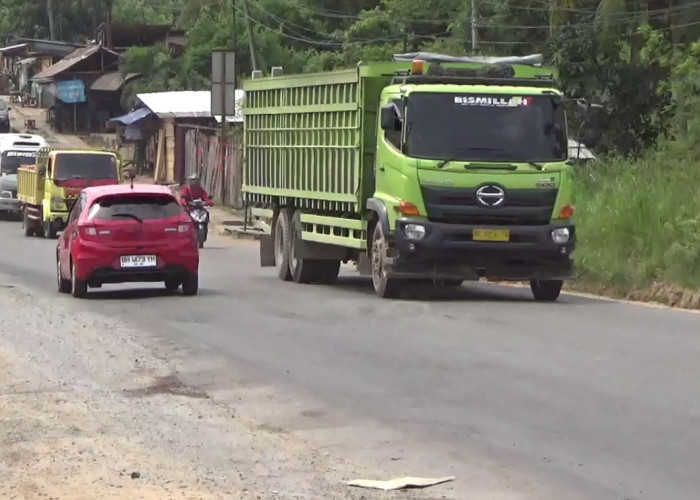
71, 91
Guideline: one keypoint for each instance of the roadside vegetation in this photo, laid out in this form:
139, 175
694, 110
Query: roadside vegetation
638, 209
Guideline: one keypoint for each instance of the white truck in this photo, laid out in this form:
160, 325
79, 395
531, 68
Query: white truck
15, 150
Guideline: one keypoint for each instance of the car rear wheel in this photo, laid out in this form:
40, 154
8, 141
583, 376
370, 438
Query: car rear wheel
172, 285
79, 288
190, 286
64, 285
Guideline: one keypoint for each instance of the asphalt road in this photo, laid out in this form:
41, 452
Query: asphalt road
579, 399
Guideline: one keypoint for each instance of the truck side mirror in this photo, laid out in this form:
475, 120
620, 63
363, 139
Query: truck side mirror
389, 117
42, 171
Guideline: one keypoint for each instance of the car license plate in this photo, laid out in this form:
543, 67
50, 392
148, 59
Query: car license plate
491, 235
138, 261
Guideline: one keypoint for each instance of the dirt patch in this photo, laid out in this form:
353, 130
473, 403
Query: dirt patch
668, 295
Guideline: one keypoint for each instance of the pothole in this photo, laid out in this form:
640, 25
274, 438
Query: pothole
170, 384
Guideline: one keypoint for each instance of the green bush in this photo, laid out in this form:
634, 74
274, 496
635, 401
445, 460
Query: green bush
638, 221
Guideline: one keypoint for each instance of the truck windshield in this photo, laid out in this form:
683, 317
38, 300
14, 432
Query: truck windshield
485, 127
84, 166
10, 161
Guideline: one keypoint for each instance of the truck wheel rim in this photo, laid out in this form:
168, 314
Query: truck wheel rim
279, 245
377, 261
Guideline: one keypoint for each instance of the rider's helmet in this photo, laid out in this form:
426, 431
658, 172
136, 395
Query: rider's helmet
193, 179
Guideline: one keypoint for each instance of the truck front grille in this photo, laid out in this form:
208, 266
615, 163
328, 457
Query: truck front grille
523, 207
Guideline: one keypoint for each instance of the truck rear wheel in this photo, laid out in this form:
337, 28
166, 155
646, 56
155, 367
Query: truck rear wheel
327, 272
281, 242
49, 230
26, 224
384, 287
303, 270
546, 290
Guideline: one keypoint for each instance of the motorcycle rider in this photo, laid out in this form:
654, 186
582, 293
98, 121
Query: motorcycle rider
193, 190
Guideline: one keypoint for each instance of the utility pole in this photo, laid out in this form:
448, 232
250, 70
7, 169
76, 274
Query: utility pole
49, 11
108, 26
235, 37
251, 38
475, 26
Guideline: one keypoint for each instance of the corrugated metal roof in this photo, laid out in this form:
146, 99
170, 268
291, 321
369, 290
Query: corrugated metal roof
12, 47
69, 61
111, 82
132, 117
186, 104
583, 154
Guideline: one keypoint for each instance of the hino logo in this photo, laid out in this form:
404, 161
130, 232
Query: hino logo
490, 195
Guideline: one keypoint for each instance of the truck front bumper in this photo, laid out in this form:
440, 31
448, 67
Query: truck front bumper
448, 251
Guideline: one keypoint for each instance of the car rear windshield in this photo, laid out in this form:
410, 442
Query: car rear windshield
136, 206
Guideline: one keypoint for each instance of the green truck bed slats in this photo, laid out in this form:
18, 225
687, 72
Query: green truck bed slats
302, 139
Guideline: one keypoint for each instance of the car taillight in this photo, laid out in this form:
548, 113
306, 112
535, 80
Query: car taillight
91, 232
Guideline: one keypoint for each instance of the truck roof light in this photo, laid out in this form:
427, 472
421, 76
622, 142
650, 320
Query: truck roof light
407, 208
417, 67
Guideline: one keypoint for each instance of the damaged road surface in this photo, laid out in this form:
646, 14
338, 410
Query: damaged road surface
257, 389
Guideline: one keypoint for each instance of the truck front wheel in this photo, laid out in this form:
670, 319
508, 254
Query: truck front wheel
546, 290
384, 286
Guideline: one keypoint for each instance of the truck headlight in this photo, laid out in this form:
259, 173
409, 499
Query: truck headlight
561, 235
414, 231
57, 204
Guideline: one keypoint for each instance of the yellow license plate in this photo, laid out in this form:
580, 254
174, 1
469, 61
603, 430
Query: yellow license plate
491, 235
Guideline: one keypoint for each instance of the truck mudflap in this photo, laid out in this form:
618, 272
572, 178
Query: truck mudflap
450, 251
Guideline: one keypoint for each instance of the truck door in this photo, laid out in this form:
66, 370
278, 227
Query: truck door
388, 160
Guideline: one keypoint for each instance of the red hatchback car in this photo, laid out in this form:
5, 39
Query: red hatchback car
127, 233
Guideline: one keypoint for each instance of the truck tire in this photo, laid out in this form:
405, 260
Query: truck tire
26, 224
384, 287
281, 244
49, 230
546, 290
302, 270
327, 272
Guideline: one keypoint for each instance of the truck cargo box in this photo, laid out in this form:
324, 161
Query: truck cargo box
30, 185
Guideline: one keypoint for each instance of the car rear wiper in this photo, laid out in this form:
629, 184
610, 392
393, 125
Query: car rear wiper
127, 216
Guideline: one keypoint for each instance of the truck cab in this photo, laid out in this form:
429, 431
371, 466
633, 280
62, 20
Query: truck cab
16, 150
49, 188
472, 174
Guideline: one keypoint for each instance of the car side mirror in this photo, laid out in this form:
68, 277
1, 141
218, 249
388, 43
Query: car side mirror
389, 117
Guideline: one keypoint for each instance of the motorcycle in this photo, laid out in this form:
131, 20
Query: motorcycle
200, 216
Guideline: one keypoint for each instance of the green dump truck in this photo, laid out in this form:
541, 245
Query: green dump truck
413, 170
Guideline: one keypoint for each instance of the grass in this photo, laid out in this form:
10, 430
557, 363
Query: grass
638, 223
